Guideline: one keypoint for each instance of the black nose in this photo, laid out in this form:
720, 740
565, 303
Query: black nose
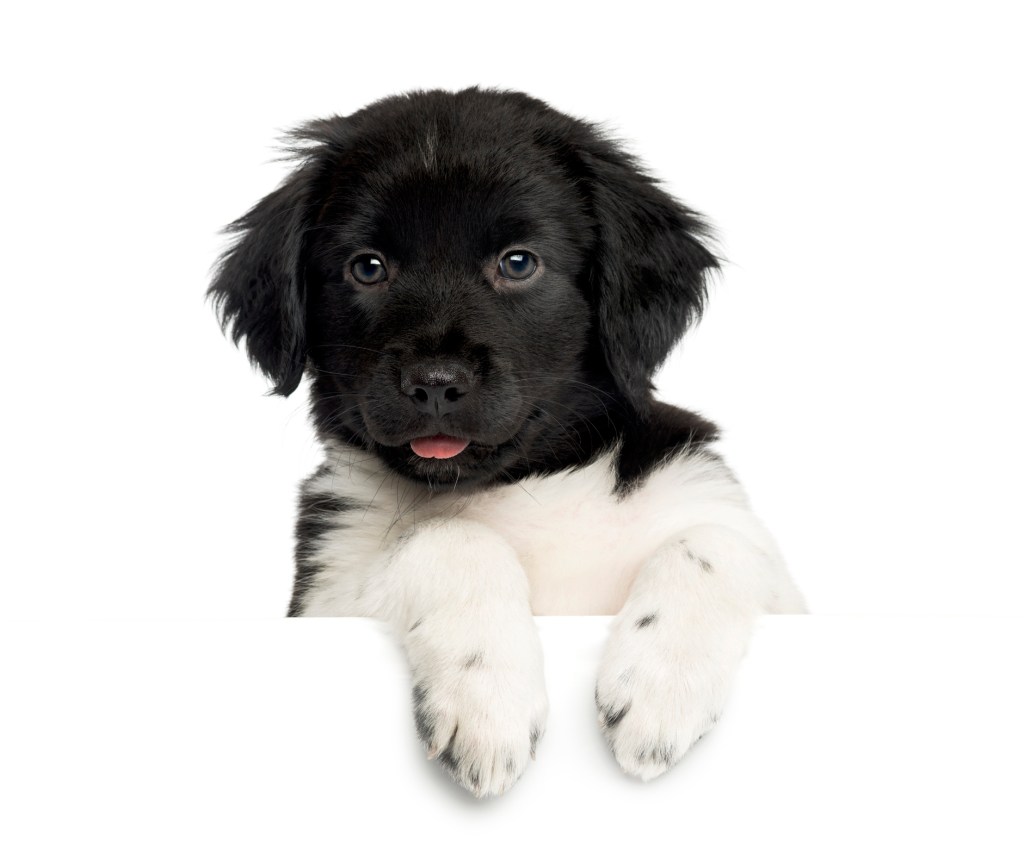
436, 387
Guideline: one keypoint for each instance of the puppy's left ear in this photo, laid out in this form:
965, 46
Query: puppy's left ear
652, 263
259, 290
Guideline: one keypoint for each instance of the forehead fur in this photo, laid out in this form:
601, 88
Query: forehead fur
470, 171
436, 129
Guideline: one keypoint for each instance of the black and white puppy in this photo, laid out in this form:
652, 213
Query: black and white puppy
479, 289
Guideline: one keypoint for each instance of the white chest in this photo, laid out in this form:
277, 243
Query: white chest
580, 545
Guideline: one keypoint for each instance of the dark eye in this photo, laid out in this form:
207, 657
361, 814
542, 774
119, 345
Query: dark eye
517, 265
369, 269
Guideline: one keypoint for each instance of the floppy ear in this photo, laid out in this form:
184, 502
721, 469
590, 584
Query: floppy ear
258, 289
649, 282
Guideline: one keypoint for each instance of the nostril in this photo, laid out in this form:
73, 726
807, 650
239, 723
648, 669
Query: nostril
437, 388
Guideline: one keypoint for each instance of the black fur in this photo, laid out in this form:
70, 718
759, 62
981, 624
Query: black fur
705, 566
317, 513
424, 724
534, 737
645, 621
610, 716
440, 185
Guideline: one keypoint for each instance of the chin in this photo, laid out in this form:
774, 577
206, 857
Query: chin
479, 290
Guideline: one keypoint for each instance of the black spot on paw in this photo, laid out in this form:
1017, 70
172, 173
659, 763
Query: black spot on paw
611, 716
424, 726
424, 723
534, 736
473, 661
661, 754
448, 760
447, 757
457, 768
416, 624
645, 621
705, 566
419, 694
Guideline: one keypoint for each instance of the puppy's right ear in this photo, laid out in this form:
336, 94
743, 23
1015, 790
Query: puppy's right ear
259, 287
259, 290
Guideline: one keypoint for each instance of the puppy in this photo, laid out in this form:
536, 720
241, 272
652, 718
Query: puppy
479, 289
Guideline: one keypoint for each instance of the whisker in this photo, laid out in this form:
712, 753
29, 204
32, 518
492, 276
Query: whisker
350, 346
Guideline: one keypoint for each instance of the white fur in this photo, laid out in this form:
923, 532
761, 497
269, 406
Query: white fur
461, 601
469, 569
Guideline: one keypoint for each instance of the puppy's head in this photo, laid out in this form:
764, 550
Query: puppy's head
478, 286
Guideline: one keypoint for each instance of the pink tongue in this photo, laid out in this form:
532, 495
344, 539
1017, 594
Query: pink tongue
438, 446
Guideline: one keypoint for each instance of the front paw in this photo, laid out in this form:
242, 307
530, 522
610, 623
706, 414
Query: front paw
658, 693
481, 718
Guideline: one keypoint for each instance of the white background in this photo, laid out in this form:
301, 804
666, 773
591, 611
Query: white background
861, 349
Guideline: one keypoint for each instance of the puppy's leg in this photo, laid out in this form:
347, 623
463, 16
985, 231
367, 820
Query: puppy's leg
674, 646
456, 593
